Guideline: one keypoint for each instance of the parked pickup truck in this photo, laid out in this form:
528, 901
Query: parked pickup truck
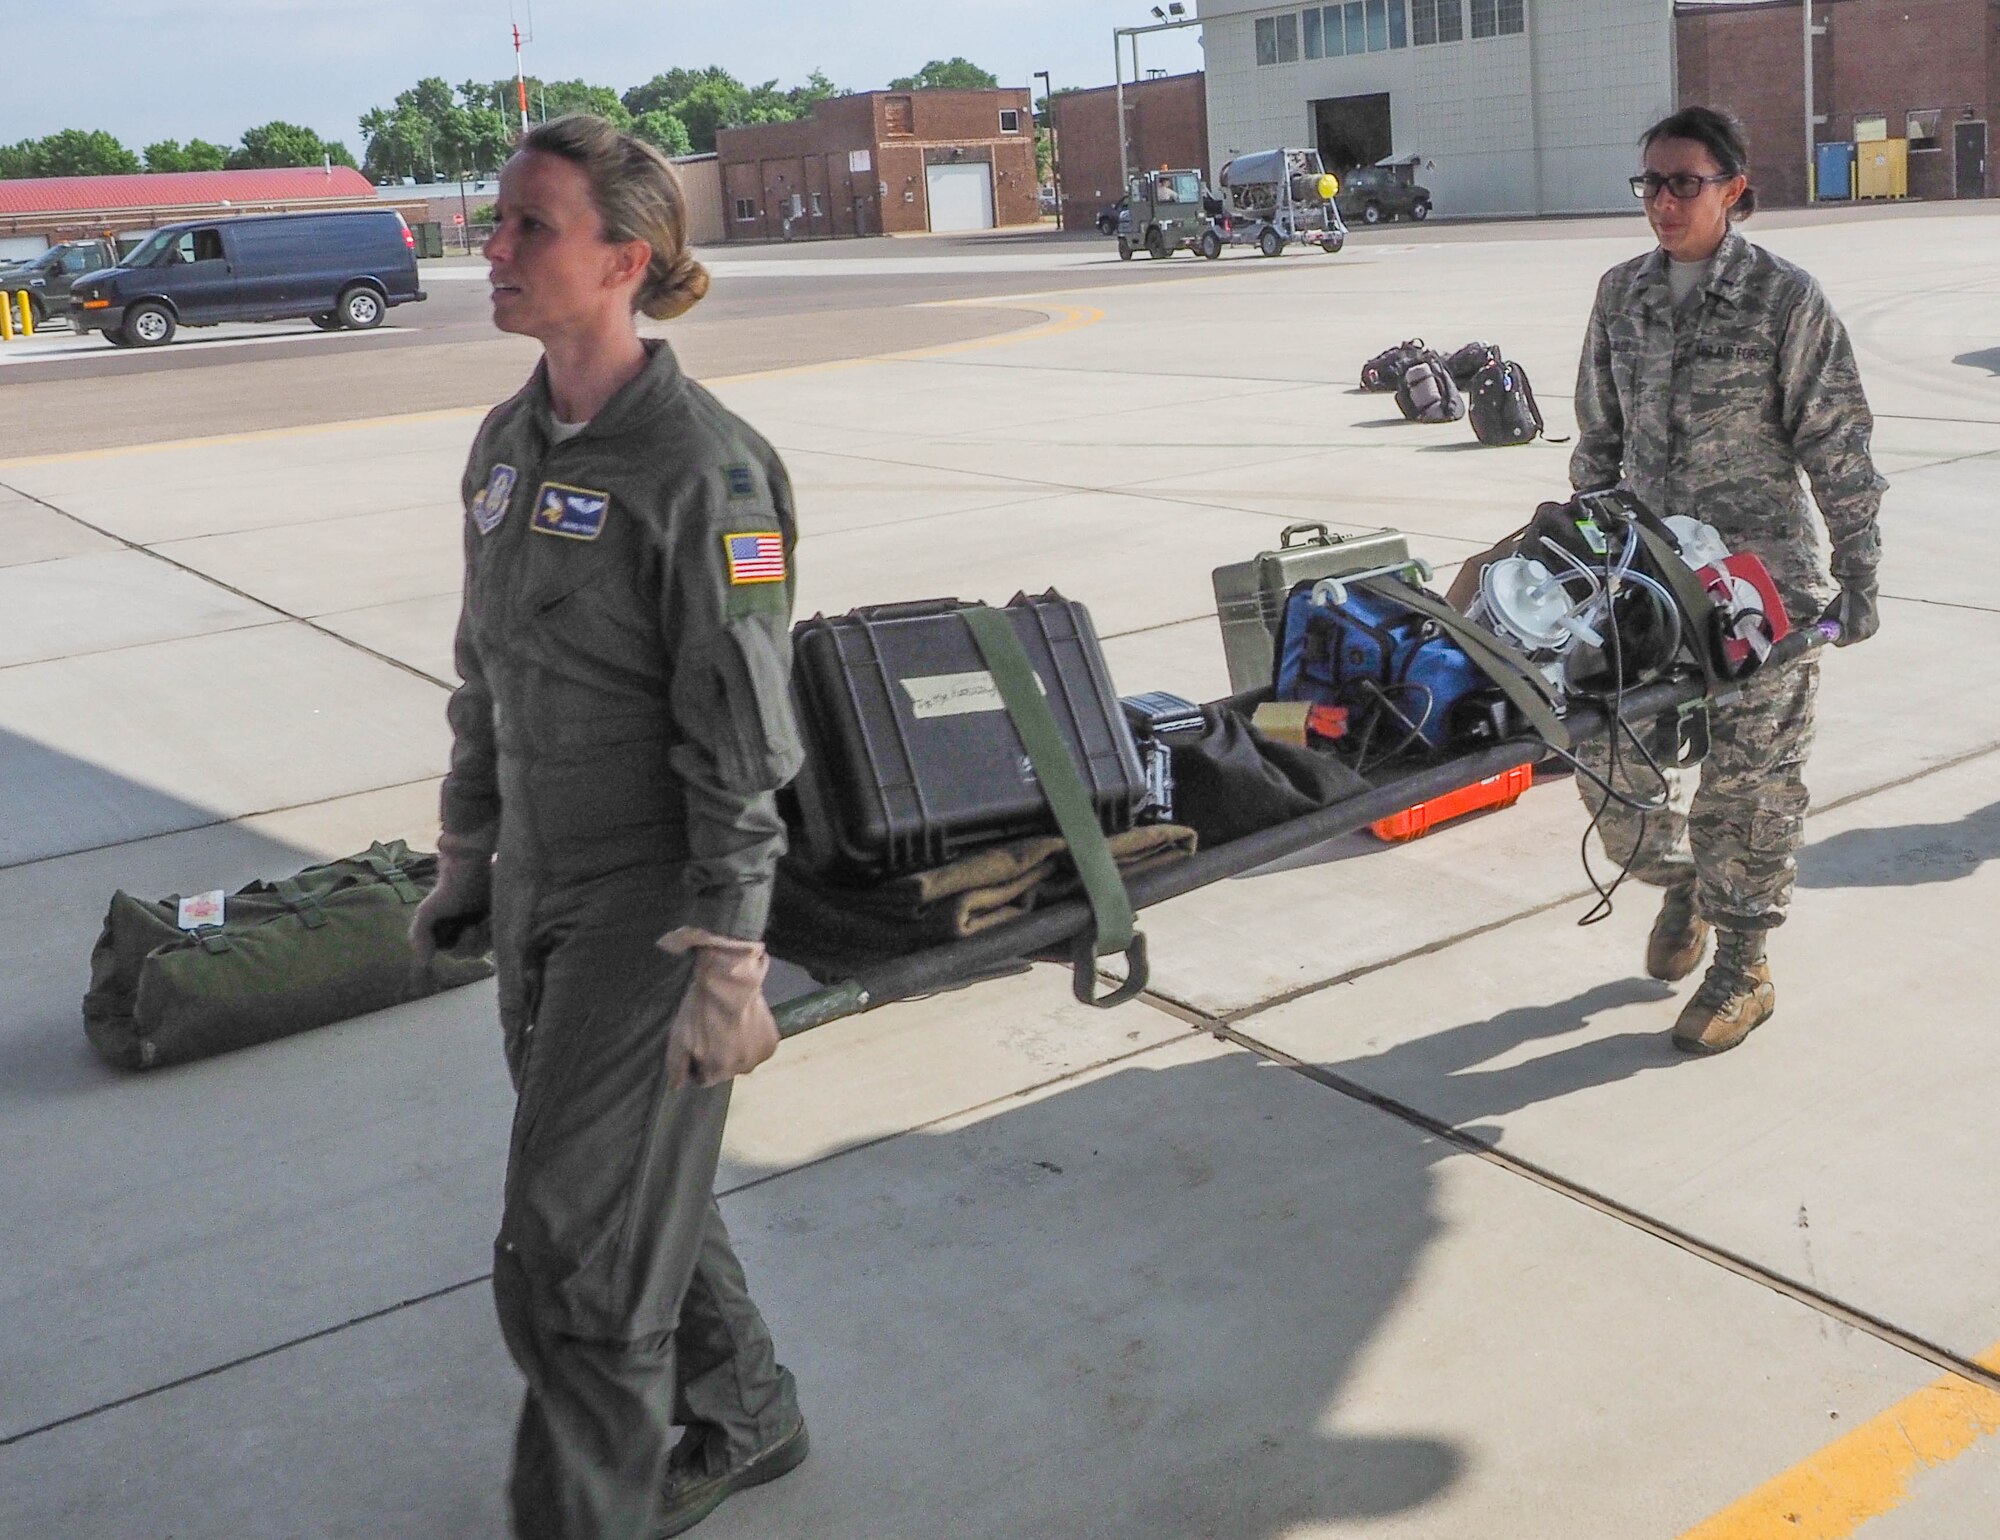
47, 278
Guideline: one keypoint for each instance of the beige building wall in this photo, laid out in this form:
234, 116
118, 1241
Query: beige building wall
701, 178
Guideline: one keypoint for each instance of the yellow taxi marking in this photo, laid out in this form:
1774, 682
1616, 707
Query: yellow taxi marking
1072, 319
1831, 1494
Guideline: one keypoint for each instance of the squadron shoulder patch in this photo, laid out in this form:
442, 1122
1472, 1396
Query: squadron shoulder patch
490, 506
757, 556
575, 513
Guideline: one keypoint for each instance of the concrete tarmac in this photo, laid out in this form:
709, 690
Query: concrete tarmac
1388, 1212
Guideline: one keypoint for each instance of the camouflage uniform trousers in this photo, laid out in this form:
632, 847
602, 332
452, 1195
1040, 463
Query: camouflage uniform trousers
1734, 825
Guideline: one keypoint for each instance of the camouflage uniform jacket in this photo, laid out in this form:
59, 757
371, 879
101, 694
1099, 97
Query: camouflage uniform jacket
1712, 410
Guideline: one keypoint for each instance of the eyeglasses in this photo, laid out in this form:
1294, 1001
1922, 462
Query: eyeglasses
1685, 185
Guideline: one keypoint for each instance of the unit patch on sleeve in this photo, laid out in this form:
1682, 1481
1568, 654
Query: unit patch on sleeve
576, 513
741, 482
490, 506
756, 557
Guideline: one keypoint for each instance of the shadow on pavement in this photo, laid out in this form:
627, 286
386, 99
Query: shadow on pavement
1985, 358
1906, 856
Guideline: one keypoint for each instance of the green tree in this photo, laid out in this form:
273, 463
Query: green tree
72, 152
19, 160
667, 90
817, 89
559, 97
664, 131
952, 74
278, 143
195, 155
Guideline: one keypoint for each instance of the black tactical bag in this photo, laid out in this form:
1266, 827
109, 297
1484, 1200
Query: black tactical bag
1427, 393
1502, 405
327, 944
1384, 372
1464, 365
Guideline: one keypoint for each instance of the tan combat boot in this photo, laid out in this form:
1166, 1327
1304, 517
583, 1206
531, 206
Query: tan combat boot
1679, 937
1734, 1000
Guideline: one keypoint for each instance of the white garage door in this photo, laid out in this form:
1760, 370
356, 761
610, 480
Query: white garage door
961, 196
20, 248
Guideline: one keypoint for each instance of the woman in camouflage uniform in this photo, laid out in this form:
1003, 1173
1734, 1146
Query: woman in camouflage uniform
1713, 374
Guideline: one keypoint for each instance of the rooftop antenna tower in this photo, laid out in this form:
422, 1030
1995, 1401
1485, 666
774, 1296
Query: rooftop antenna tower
520, 78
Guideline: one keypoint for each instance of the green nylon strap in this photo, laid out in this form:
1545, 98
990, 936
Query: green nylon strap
300, 902
1525, 689
1697, 609
379, 863
1055, 769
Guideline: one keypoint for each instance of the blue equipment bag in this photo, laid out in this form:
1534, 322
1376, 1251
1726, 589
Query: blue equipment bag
1397, 671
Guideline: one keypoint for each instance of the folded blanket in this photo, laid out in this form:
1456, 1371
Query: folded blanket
830, 929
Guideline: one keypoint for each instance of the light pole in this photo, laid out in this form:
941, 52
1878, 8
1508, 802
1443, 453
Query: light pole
1172, 19
1055, 164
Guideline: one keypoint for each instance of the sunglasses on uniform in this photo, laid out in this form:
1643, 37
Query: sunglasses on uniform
1647, 184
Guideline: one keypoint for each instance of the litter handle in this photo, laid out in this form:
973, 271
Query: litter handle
1802, 641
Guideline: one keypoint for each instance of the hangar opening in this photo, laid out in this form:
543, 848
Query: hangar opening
1353, 130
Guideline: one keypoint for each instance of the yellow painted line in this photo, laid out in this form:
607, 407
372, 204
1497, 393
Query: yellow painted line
1866, 1474
1073, 318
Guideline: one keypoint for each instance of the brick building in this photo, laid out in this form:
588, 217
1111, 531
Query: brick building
1166, 124
884, 162
1923, 70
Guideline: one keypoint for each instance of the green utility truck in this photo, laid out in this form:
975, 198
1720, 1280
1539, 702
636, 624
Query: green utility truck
1164, 211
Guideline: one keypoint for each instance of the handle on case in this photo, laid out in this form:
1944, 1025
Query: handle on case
908, 609
1320, 533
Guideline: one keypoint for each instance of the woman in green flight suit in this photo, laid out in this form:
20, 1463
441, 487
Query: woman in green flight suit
621, 730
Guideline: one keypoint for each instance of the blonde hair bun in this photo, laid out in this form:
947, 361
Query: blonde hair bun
638, 195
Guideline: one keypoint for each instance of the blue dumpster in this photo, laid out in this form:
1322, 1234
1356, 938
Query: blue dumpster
1834, 167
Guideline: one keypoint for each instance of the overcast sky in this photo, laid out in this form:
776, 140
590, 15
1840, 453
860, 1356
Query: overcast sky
178, 69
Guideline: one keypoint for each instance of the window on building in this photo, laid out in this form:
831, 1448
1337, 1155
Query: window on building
1357, 26
1378, 25
817, 210
1399, 29
746, 208
1922, 128
898, 117
1288, 39
1313, 32
1513, 17
1267, 40
1336, 35
1451, 21
1010, 121
1485, 18
1870, 126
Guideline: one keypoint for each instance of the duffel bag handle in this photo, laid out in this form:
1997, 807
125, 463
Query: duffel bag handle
390, 872
300, 902
1321, 535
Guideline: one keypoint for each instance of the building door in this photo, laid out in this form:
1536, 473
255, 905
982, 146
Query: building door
961, 195
1353, 131
1968, 143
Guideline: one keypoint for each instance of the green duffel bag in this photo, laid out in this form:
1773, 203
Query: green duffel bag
285, 957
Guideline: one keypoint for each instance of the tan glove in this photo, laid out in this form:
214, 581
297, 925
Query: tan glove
454, 915
722, 1028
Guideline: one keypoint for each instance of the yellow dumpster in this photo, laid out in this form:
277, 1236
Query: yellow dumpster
1882, 169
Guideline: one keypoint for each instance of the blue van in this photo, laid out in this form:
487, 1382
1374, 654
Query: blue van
337, 269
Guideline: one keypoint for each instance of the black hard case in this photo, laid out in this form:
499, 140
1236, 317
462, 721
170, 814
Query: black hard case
890, 786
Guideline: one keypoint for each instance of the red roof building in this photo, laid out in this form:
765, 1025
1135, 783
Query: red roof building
61, 207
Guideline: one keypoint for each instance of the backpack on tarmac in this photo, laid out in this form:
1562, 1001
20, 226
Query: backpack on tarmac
1384, 371
177, 978
1503, 409
1427, 392
1465, 364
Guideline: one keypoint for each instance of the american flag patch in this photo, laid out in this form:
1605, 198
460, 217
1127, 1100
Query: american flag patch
755, 558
